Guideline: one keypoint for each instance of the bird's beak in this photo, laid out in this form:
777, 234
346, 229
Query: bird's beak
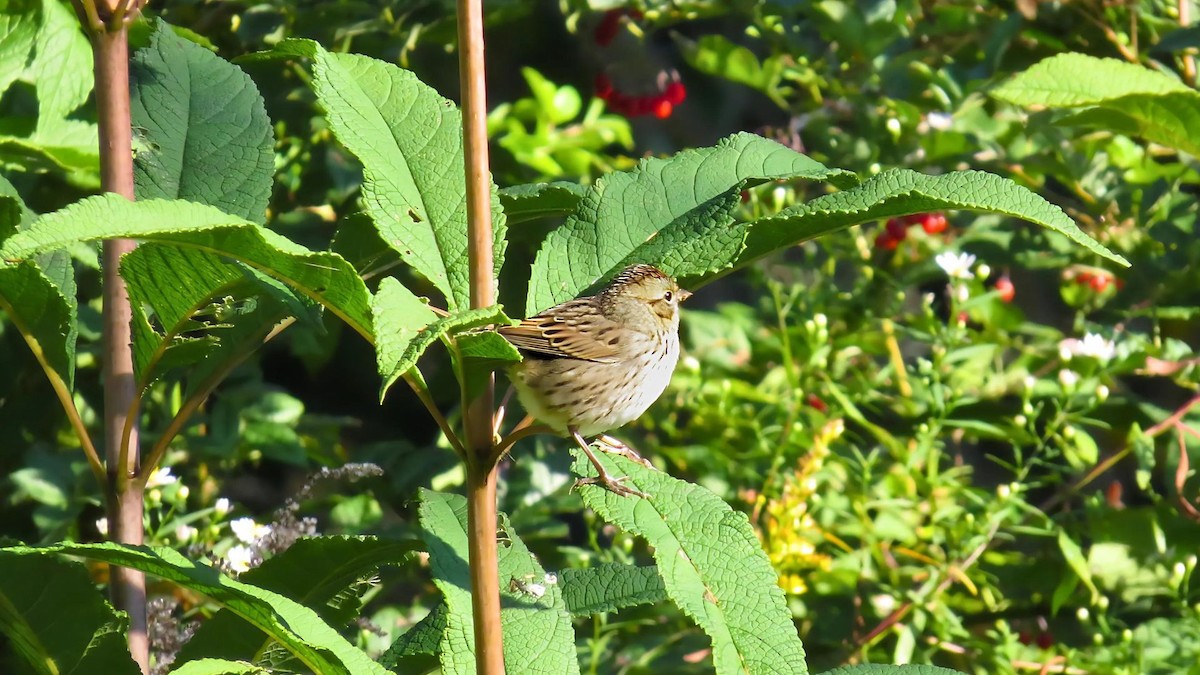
684, 295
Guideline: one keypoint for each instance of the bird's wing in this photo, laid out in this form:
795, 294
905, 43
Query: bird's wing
586, 335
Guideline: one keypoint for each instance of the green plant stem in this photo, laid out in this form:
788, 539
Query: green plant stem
110, 46
63, 393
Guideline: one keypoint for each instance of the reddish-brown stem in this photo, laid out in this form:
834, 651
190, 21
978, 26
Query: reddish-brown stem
481, 461
110, 46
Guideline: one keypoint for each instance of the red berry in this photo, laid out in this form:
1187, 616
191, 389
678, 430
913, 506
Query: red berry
641, 105
662, 108
933, 223
603, 86
1084, 278
676, 93
886, 242
1004, 286
606, 30
1100, 282
1025, 637
896, 229
816, 402
1045, 640
914, 219
745, 196
620, 102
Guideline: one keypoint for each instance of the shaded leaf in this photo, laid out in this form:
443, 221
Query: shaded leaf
202, 127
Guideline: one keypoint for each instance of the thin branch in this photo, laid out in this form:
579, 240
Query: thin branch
197, 399
417, 384
478, 414
524, 429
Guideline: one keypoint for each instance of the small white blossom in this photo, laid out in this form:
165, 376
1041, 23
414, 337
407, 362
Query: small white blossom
102, 526
222, 506
248, 531
939, 121
240, 558
1101, 393
955, 265
160, 477
962, 293
1068, 378
185, 533
1092, 345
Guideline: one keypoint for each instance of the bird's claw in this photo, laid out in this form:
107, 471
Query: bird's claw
614, 485
613, 446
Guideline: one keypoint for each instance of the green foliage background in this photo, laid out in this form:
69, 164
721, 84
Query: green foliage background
939, 476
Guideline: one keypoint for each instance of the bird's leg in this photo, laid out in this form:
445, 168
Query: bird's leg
603, 478
617, 447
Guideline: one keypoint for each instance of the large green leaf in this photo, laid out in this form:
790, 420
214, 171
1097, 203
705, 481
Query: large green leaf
61, 68
540, 200
538, 637
1070, 80
19, 20
609, 587
57, 145
406, 327
55, 619
416, 650
886, 669
40, 310
409, 140
294, 626
1122, 97
901, 191
676, 213
313, 572
218, 667
203, 131
711, 564
324, 277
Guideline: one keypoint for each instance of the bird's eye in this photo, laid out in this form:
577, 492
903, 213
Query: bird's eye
668, 296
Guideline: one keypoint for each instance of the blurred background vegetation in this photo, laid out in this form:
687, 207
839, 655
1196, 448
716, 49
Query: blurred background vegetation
963, 441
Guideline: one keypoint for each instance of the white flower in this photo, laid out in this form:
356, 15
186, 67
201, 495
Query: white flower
185, 533
222, 506
955, 265
248, 531
102, 526
939, 120
1092, 345
160, 477
240, 558
1068, 378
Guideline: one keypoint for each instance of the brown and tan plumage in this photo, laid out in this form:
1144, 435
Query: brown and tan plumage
598, 362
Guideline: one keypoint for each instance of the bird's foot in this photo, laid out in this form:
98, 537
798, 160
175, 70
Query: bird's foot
614, 446
615, 485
